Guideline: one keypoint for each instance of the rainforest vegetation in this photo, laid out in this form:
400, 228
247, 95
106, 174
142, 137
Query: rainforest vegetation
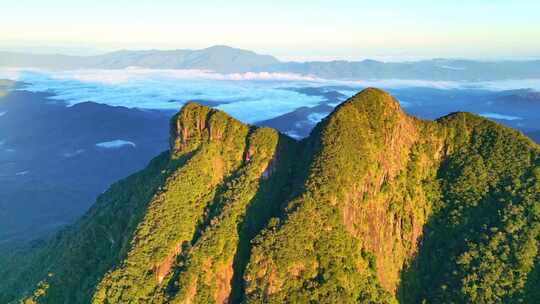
375, 206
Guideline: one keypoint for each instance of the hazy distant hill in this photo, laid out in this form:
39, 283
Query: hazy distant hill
55, 160
521, 97
218, 58
436, 69
225, 59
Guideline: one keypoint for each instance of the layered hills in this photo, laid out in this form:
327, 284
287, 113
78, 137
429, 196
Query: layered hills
375, 206
225, 59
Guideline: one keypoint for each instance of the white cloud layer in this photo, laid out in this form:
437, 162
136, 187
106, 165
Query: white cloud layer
250, 97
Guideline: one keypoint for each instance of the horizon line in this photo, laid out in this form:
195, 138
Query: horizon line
51, 50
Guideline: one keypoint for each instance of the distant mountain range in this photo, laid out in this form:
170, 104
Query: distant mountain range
224, 59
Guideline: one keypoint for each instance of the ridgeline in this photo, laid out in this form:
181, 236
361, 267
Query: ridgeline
375, 206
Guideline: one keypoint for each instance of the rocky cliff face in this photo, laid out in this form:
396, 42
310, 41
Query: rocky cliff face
362, 199
374, 206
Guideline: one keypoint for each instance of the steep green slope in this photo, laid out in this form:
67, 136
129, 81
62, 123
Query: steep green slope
185, 245
363, 206
374, 207
482, 240
221, 179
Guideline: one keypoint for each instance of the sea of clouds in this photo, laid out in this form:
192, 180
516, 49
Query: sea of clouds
250, 97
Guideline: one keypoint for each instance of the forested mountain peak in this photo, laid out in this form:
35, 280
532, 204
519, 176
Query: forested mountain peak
196, 123
375, 206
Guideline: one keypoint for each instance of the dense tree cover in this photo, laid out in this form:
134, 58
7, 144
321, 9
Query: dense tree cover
374, 207
175, 213
321, 242
205, 272
184, 248
481, 243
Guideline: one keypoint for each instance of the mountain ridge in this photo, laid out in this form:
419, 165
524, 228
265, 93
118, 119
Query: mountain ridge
353, 213
225, 59
217, 58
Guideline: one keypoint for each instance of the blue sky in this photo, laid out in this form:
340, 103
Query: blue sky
302, 30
